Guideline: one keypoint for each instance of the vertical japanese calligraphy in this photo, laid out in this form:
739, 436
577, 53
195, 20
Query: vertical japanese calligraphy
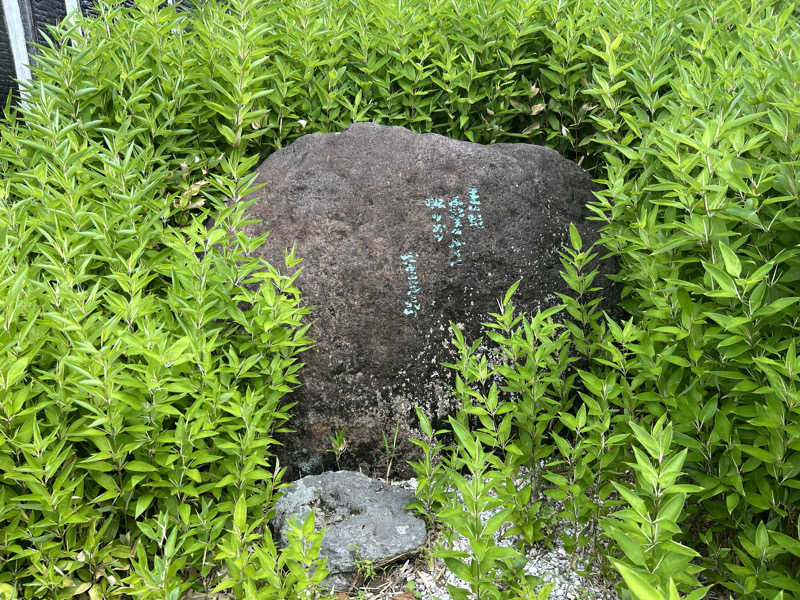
410, 267
448, 222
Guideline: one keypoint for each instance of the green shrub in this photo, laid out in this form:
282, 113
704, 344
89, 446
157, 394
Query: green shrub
702, 172
142, 377
694, 106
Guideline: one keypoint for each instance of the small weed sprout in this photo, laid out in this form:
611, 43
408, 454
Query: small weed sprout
364, 567
389, 450
338, 446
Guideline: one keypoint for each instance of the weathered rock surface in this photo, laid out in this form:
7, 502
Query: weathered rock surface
364, 520
400, 234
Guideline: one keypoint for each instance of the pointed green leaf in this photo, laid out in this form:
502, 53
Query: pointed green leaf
637, 583
240, 514
732, 264
140, 466
16, 371
575, 237
142, 503
787, 543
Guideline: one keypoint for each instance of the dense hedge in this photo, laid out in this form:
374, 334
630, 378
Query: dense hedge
140, 401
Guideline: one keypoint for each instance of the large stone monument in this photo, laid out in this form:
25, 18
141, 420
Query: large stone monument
400, 234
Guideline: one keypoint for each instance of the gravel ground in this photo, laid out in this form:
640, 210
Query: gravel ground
428, 578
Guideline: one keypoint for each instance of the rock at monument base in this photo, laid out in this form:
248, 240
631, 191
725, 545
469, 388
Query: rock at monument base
364, 520
401, 234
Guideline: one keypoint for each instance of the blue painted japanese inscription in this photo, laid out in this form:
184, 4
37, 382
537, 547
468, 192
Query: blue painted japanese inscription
448, 221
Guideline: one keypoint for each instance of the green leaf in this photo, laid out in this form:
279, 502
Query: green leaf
184, 511
424, 423
240, 514
759, 453
777, 306
787, 543
495, 522
457, 593
458, 568
96, 465
762, 537
16, 371
142, 503
723, 280
575, 237
746, 214
732, 264
645, 439
676, 360
637, 583
671, 509
465, 439
139, 466
632, 499
510, 292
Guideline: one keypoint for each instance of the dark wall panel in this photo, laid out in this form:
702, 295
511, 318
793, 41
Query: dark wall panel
46, 12
7, 74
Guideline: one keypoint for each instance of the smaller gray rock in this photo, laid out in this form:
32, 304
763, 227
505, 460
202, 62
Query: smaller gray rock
364, 519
